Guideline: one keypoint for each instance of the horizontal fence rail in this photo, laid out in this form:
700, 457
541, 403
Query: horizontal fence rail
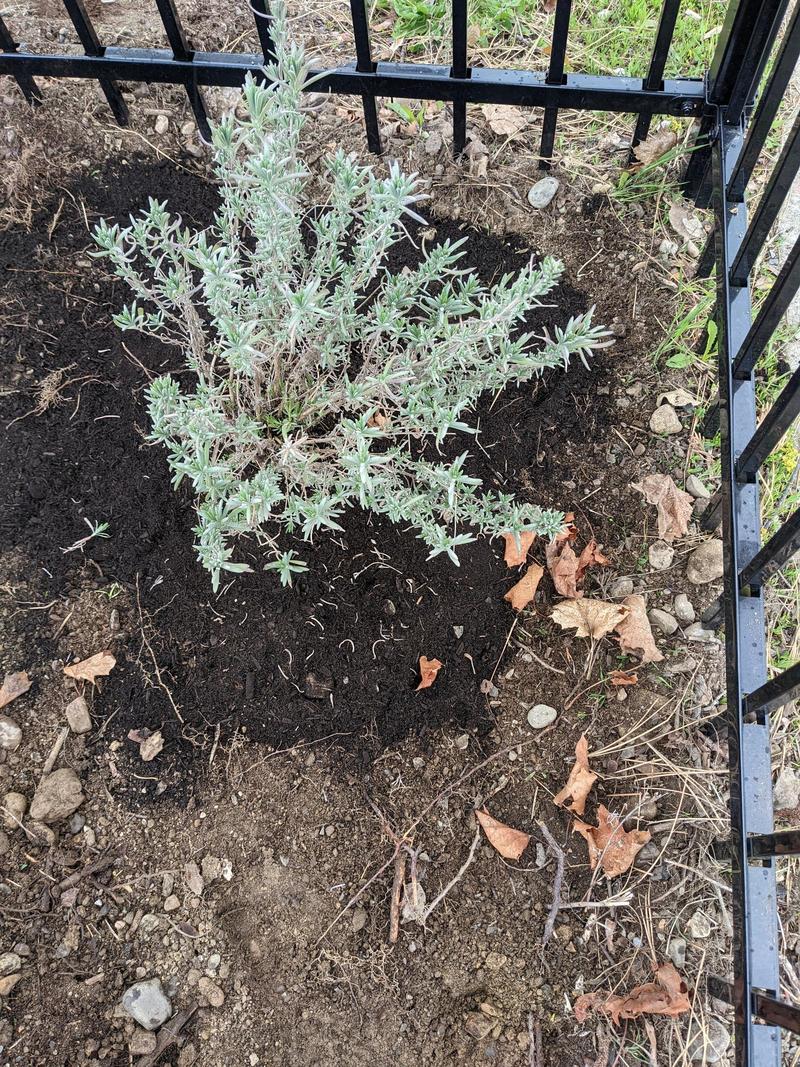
734, 117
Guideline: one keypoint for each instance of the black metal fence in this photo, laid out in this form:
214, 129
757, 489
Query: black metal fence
732, 132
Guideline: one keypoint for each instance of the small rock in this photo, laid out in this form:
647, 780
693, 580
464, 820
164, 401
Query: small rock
458, 631
699, 926
142, 1042
8, 983
359, 919
540, 194
541, 855
478, 1025
76, 823
161, 125
41, 834
705, 563
660, 555
688, 665
787, 789
462, 742
147, 1003
10, 734
496, 961
211, 991
78, 716
541, 715
10, 963
663, 621
58, 795
647, 810
709, 1043
171, 903
188, 129
14, 805
696, 488
622, 587
193, 879
683, 609
149, 924
433, 143
639, 450
5, 843
696, 632
211, 868
665, 420
676, 950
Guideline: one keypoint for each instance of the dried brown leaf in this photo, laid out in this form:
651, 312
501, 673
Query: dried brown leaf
656, 145
687, 225
635, 634
505, 120
14, 685
673, 504
563, 566
514, 556
610, 844
549, 6
580, 781
666, 995
428, 669
623, 678
150, 742
96, 666
590, 557
510, 843
589, 618
521, 594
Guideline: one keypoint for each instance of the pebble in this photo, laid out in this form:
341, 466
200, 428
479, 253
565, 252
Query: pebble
699, 926
639, 450
660, 555
665, 420
161, 124
10, 734
683, 609
147, 1003
676, 950
462, 742
662, 620
697, 632
8, 983
696, 488
787, 789
171, 903
681, 666
5, 843
705, 563
478, 1025
211, 991
709, 1043
14, 805
149, 924
58, 795
10, 963
541, 715
142, 1042
76, 823
359, 919
78, 716
622, 587
41, 834
193, 879
540, 194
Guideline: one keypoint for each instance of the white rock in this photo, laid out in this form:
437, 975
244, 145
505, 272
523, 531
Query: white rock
683, 609
695, 488
541, 715
663, 621
710, 1042
787, 789
161, 124
10, 734
665, 420
58, 795
540, 194
14, 806
699, 926
697, 632
10, 963
78, 716
622, 587
660, 555
147, 1003
705, 563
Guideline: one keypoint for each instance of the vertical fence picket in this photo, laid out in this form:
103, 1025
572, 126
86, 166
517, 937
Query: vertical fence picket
27, 85
182, 52
555, 76
365, 65
92, 47
459, 70
262, 17
658, 61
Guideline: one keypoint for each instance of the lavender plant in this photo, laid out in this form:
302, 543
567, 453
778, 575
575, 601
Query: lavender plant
319, 374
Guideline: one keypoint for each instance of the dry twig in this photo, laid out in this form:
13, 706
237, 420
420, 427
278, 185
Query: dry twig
558, 853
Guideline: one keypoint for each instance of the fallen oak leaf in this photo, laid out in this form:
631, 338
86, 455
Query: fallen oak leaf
610, 845
510, 843
589, 618
673, 504
505, 120
635, 634
623, 678
590, 556
516, 555
563, 566
666, 995
521, 594
580, 781
96, 666
428, 669
656, 145
14, 685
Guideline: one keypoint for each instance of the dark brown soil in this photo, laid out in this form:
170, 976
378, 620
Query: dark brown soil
370, 606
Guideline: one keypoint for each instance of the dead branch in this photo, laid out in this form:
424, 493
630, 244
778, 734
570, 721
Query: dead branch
50, 762
397, 889
168, 1035
92, 868
558, 853
456, 878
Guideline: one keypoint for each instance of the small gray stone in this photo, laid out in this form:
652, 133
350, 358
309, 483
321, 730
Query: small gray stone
10, 734
705, 563
541, 715
687, 665
147, 1003
142, 1042
149, 924
622, 587
665, 420
662, 620
58, 795
161, 124
696, 632
695, 488
458, 631
699, 926
76, 823
462, 742
541, 855
683, 609
478, 1025
14, 805
709, 1043
359, 919
10, 963
172, 903
540, 194
787, 789
78, 716
660, 555
211, 991
5, 843
676, 950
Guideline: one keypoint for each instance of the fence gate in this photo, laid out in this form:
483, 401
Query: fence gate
734, 113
